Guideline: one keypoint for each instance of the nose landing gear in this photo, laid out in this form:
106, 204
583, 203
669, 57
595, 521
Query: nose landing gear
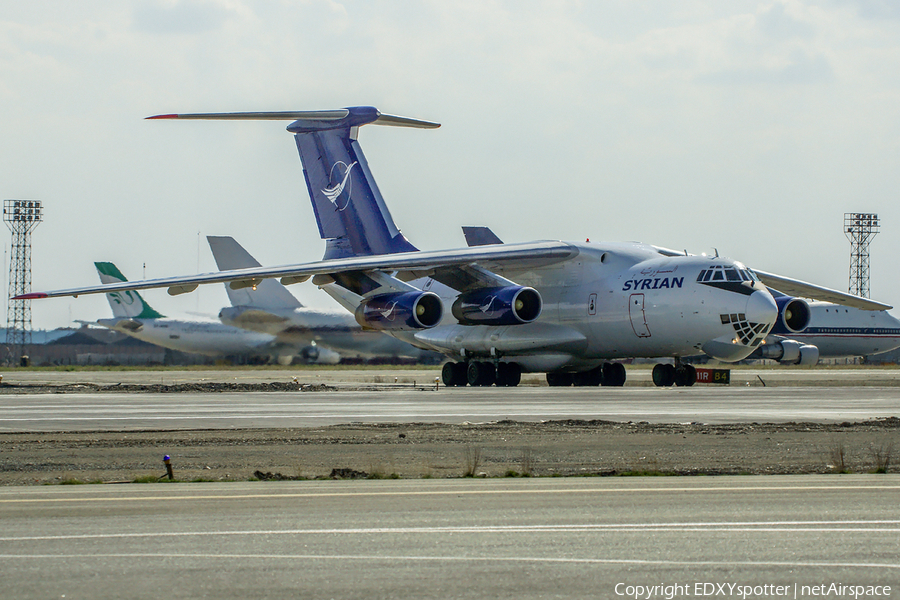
454, 374
681, 375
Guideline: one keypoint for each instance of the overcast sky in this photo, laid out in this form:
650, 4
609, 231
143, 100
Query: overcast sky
748, 127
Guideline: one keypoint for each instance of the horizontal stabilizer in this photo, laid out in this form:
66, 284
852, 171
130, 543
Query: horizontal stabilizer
329, 119
802, 289
396, 121
315, 115
126, 325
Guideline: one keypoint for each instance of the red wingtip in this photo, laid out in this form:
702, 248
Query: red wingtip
31, 296
172, 116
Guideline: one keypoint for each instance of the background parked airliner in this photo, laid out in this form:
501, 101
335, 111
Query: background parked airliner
563, 308
134, 317
834, 331
268, 307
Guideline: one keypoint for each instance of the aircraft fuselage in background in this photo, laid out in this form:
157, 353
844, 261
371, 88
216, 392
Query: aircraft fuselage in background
337, 331
835, 331
200, 337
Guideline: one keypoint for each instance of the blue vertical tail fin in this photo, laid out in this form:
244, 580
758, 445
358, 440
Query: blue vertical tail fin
349, 208
350, 211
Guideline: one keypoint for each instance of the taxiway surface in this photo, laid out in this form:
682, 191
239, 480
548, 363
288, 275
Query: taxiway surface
495, 538
142, 411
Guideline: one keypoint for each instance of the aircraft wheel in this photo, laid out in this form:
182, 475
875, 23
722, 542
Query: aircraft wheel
685, 376
508, 374
452, 375
559, 379
591, 378
481, 373
663, 375
613, 375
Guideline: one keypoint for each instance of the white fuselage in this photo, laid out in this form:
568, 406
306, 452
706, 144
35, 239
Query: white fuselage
842, 331
200, 337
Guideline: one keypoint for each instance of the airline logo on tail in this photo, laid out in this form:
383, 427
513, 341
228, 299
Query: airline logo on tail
124, 304
126, 298
339, 171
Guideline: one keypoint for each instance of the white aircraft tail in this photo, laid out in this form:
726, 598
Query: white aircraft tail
269, 294
124, 304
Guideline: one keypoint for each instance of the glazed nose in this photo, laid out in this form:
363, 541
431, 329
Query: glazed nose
761, 308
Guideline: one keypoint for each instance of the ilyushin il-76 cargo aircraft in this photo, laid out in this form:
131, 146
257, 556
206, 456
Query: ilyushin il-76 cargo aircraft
566, 309
831, 330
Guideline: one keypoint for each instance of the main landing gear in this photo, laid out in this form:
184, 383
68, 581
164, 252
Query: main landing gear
481, 374
680, 375
508, 374
608, 374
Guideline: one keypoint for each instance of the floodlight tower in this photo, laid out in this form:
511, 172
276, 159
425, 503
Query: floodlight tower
860, 228
21, 216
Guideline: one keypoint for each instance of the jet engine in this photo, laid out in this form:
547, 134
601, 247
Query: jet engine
510, 305
400, 311
309, 354
315, 354
793, 315
790, 352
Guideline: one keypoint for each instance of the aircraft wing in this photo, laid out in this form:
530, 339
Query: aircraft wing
795, 287
507, 256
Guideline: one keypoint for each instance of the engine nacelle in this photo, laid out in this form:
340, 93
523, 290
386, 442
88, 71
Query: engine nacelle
318, 355
793, 315
309, 354
511, 305
790, 352
401, 311
809, 355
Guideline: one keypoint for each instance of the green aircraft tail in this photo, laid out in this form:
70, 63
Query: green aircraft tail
124, 304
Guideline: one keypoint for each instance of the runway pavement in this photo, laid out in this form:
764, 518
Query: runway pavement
388, 375
449, 538
120, 412
495, 538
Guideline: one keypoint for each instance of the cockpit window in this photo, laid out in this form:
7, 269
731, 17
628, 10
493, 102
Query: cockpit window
730, 273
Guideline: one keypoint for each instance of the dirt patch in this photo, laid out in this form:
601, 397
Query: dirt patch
566, 448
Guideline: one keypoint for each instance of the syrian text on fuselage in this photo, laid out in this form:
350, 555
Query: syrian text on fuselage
655, 283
